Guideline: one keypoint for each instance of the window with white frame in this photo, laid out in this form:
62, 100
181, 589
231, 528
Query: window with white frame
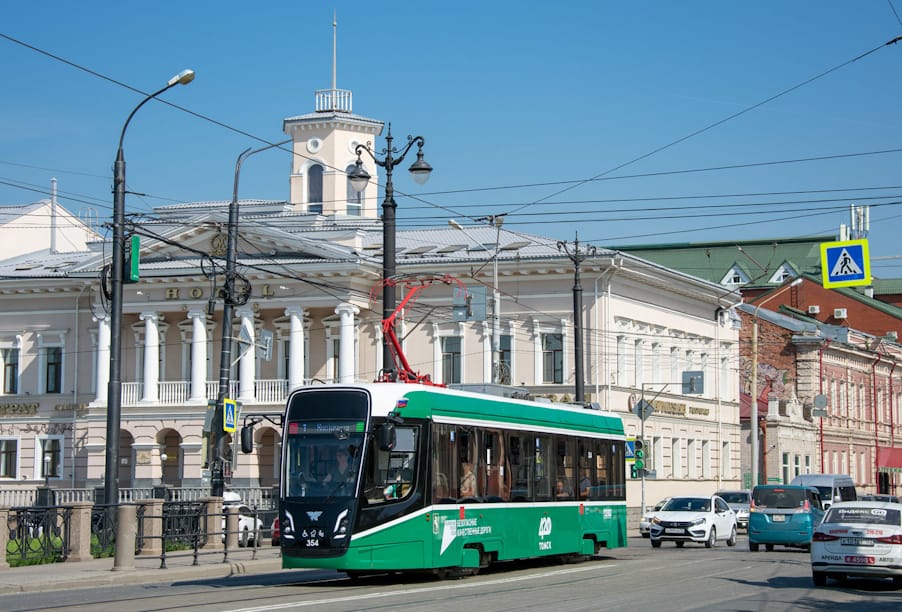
10, 372
675, 364
706, 459
725, 387
807, 464
785, 466
9, 458
451, 359
620, 372
725, 460
639, 368
51, 349
506, 359
691, 458
552, 358
657, 454
676, 457
49, 457
315, 189
796, 465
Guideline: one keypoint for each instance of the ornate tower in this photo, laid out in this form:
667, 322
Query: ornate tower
324, 143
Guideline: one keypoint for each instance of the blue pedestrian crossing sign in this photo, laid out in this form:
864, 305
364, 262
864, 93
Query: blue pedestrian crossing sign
229, 415
845, 264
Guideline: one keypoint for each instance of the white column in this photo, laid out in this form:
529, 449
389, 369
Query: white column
102, 370
198, 357
487, 352
151, 358
346, 361
248, 357
379, 355
295, 347
438, 372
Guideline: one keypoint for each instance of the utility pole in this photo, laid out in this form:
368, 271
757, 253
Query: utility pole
577, 257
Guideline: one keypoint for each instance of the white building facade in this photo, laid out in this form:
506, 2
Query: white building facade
311, 264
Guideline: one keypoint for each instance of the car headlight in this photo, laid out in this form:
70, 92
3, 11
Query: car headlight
656, 521
698, 521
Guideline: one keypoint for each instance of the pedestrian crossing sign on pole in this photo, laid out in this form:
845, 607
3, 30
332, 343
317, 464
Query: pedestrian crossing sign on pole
845, 264
229, 415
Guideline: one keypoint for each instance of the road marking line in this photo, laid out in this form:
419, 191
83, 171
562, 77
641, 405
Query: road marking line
468, 584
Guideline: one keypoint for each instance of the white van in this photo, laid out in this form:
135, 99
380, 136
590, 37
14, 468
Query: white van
832, 487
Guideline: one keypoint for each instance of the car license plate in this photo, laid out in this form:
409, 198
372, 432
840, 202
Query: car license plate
856, 542
778, 518
673, 531
859, 559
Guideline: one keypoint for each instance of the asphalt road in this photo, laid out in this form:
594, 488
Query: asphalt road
634, 578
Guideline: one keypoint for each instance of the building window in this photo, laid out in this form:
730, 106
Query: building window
807, 464
50, 454
10, 358
9, 458
676, 458
691, 459
504, 344
725, 460
639, 365
785, 466
451, 359
53, 369
315, 189
675, 364
553, 358
355, 198
706, 459
797, 466
620, 373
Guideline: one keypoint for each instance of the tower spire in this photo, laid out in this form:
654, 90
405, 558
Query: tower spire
334, 48
334, 100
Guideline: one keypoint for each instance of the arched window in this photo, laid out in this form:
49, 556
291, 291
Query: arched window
355, 198
315, 189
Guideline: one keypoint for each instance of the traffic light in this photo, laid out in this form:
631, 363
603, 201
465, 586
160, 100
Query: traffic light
639, 455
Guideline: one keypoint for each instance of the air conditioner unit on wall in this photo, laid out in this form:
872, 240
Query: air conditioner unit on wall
814, 309
840, 313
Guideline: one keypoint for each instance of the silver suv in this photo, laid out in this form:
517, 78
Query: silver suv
739, 501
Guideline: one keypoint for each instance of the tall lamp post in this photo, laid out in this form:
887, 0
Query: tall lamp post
753, 417
114, 388
230, 298
359, 177
577, 257
496, 221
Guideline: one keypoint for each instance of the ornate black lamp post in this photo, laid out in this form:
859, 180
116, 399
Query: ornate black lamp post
359, 177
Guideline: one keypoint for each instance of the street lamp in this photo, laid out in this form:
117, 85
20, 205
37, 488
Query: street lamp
163, 458
46, 471
753, 417
114, 388
359, 177
230, 299
496, 221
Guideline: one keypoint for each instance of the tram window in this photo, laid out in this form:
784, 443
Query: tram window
521, 465
497, 466
544, 464
390, 474
584, 457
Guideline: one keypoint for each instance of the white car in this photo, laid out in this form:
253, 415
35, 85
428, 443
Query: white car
694, 519
645, 522
860, 538
249, 525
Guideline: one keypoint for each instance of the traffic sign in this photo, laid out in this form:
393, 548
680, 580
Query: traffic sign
643, 409
845, 264
229, 415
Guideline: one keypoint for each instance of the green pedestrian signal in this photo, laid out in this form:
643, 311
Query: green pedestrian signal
639, 455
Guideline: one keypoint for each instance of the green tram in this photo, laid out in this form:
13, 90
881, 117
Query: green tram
400, 477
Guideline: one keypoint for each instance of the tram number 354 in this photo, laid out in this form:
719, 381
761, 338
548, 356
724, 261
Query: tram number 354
312, 537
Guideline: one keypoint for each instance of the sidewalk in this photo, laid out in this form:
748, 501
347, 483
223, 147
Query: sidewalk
99, 572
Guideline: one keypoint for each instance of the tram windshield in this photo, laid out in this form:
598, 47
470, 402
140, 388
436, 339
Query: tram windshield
323, 457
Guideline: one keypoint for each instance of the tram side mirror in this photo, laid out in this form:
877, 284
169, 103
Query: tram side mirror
247, 439
386, 437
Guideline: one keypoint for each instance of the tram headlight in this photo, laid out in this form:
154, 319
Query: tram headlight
341, 525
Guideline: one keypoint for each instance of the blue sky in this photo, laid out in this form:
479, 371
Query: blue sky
520, 104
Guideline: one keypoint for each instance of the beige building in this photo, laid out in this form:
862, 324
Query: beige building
312, 264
